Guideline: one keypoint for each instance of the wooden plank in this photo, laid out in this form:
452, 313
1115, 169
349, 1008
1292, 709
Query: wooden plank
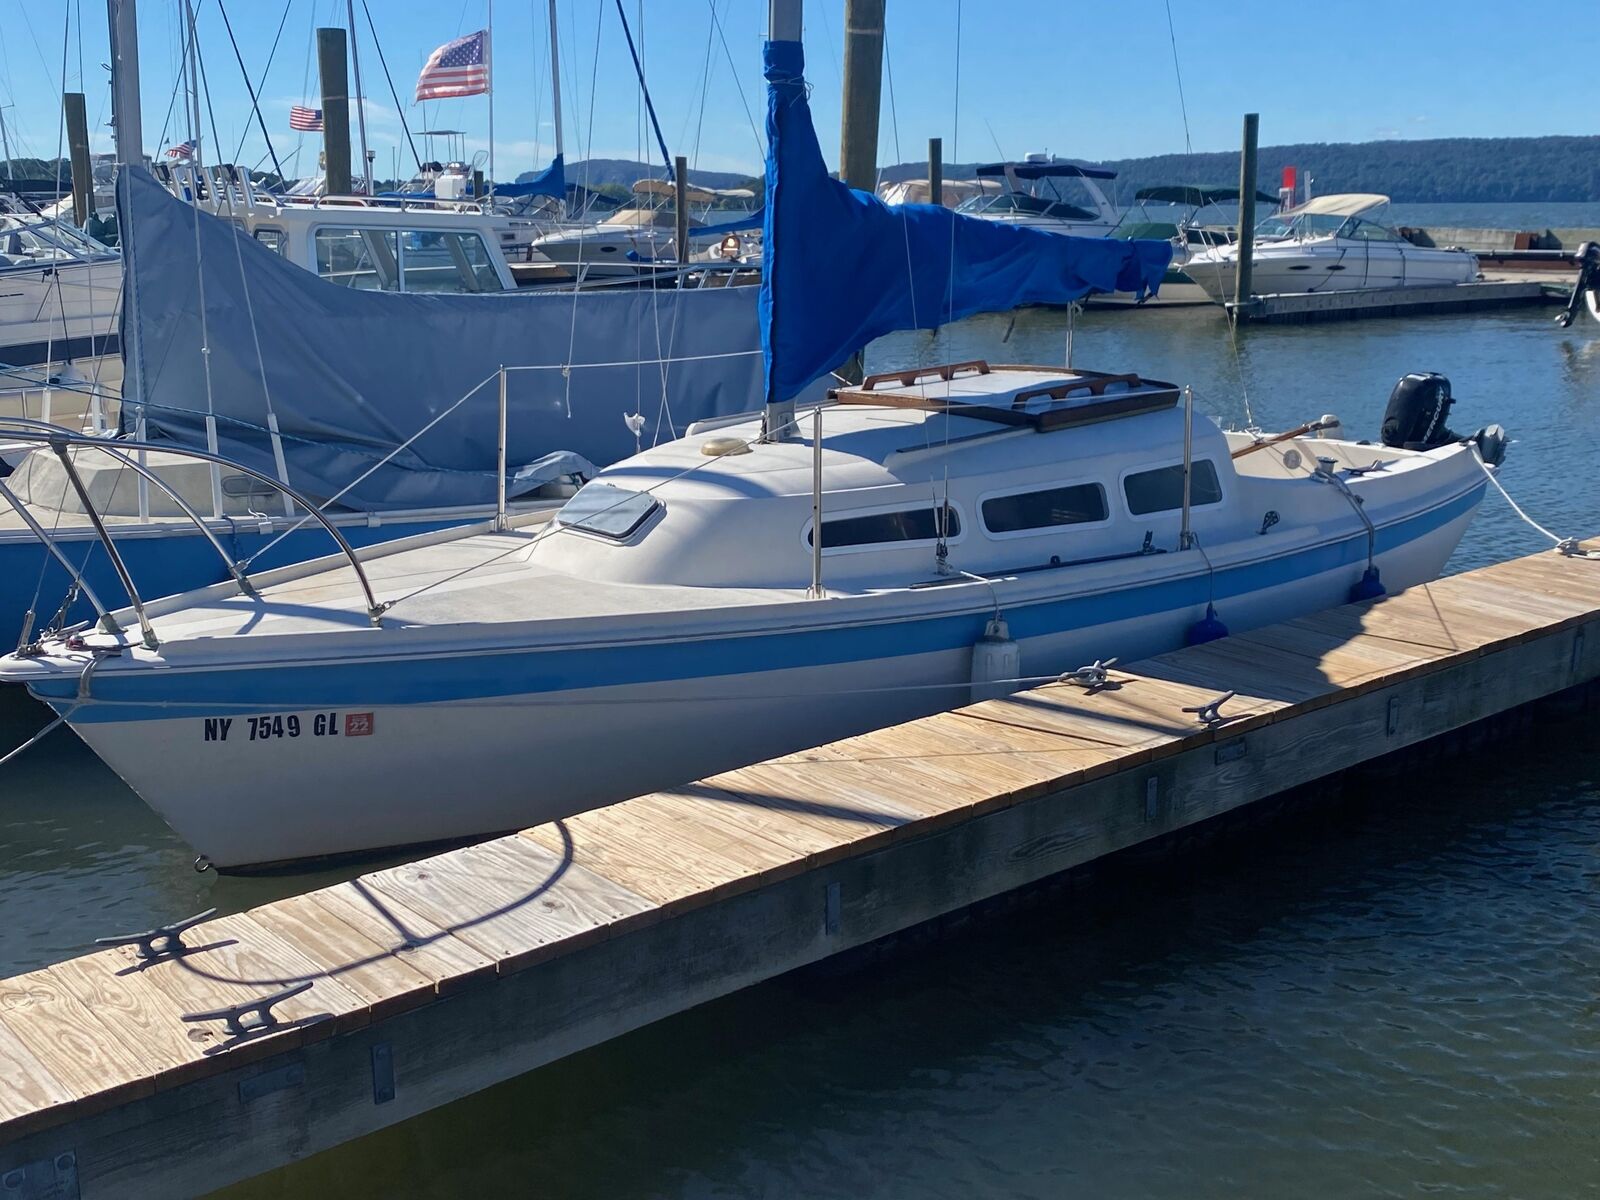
511, 898
411, 937
112, 983
384, 981
238, 961
82, 1055
27, 1089
698, 816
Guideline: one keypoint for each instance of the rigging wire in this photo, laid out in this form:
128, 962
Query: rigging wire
248, 86
395, 96
755, 130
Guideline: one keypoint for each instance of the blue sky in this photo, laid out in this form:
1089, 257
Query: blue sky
1091, 80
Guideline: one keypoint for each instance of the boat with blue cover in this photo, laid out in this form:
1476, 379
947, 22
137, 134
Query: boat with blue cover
765, 583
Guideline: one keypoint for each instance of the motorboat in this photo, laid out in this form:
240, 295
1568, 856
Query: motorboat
1331, 243
1045, 193
764, 583
640, 238
59, 303
1194, 218
954, 192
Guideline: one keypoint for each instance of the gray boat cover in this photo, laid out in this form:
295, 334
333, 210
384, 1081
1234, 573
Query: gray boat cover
351, 374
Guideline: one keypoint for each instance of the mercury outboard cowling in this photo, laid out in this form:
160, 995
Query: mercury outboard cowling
1415, 419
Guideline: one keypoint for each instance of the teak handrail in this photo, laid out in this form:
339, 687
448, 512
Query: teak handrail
944, 372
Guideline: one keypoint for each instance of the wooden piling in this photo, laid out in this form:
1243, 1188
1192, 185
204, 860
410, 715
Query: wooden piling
77, 120
936, 170
863, 93
1247, 207
332, 70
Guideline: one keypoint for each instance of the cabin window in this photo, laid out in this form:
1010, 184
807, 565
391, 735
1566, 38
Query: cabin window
1077, 504
610, 512
906, 525
446, 261
365, 259
1161, 490
272, 239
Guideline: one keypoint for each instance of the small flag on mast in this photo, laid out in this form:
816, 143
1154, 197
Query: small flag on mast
458, 68
306, 120
182, 150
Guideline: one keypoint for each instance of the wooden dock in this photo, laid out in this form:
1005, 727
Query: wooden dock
1497, 290
434, 980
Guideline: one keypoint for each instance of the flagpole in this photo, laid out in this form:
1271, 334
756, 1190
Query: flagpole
488, 61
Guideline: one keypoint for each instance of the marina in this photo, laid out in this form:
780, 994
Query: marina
681, 896
793, 673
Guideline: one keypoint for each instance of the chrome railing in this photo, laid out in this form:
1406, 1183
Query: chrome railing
61, 442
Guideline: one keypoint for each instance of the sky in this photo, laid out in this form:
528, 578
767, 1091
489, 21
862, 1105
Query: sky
993, 78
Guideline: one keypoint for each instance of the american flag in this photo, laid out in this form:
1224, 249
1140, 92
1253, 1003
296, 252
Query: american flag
306, 120
458, 68
182, 150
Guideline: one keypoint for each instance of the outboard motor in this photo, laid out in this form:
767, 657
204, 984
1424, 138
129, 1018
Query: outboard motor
1415, 419
1588, 259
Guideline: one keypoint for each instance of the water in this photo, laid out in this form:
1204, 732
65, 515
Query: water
1403, 992
1376, 999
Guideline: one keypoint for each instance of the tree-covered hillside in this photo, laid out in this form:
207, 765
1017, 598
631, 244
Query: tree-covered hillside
1439, 170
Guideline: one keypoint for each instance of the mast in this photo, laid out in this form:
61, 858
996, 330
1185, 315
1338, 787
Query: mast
488, 62
361, 96
125, 117
5, 142
555, 90
783, 25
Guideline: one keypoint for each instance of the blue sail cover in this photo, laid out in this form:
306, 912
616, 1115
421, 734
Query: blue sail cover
552, 181
351, 375
843, 268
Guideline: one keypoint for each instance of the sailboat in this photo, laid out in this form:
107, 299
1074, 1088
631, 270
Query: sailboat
764, 584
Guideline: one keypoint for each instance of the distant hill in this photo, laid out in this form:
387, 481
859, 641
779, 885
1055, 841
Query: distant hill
1438, 170
598, 173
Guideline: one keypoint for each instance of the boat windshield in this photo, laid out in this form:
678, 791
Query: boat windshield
1020, 202
1299, 225
26, 243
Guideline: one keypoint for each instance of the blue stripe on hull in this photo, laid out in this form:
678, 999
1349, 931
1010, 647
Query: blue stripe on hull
447, 677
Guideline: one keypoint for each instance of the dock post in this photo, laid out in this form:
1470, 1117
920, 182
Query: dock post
936, 171
78, 146
863, 93
1247, 211
331, 68
680, 186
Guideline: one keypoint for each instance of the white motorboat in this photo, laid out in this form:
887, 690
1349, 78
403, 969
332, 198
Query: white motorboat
765, 583
1191, 217
641, 238
1045, 193
1330, 243
60, 295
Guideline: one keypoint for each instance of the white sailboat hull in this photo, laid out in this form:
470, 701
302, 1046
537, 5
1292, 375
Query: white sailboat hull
438, 770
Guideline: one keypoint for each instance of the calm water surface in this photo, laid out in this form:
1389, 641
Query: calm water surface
1395, 1001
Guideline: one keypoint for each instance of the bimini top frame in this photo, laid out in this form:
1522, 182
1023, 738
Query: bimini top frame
123, 451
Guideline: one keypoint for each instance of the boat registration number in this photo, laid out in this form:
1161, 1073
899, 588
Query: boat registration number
277, 726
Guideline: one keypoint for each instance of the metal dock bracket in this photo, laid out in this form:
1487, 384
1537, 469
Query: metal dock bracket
1210, 713
1094, 676
235, 1015
164, 941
